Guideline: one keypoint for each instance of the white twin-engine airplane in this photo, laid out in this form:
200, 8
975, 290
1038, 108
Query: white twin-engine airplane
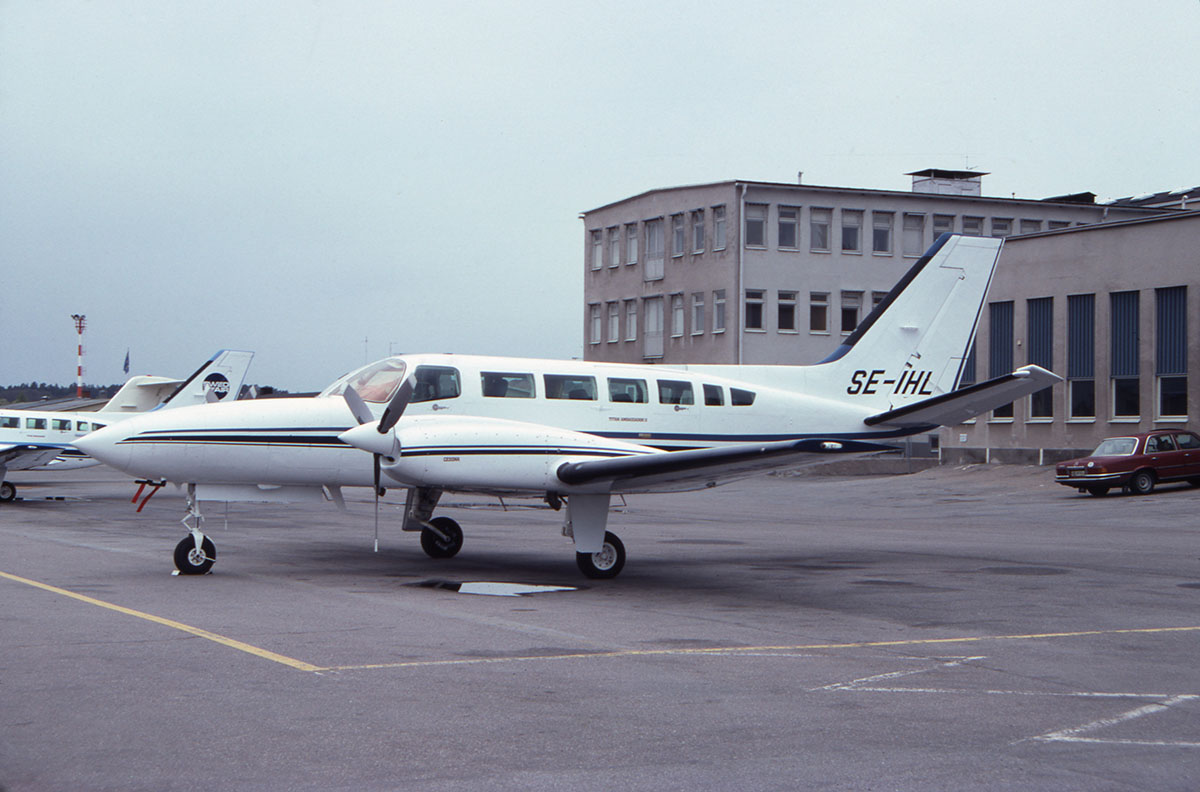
578, 432
46, 439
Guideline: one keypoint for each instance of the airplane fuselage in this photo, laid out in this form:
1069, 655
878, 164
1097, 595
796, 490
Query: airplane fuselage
283, 442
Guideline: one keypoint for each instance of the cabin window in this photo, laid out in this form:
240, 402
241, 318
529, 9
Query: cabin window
81, 426
96, 426
502, 384
564, 386
10, 423
435, 382
627, 390
60, 425
741, 398
714, 395
675, 392
35, 423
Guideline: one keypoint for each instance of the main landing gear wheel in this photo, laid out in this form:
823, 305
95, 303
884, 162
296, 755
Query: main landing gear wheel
190, 561
1142, 483
7, 492
436, 547
605, 564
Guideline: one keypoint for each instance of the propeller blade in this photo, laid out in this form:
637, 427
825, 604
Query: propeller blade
358, 407
396, 407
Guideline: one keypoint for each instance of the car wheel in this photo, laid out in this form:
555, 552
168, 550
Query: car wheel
1142, 483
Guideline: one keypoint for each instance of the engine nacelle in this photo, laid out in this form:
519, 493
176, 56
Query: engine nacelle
493, 454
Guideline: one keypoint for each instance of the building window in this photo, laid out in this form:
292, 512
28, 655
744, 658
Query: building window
966, 377
852, 220
789, 227
631, 313
1031, 226
697, 313
1040, 331
756, 225
677, 235
876, 298
652, 338
654, 249
819, 221
818, 312
881, 236
787, 312
597, 249
1081, 356
698, 231
614, 246
914, 235
1126, 376
631, 244
1000, 348
972, 226
614, 322
718, 227
851, 309
1001, 226
595, 321
1170, 354
676, 315
1057, 224
754, 309
719, 311
943, 224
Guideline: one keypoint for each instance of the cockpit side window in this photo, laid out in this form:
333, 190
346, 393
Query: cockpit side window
435, 382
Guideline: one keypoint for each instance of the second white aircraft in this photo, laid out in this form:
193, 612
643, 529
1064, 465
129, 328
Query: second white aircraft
577, 432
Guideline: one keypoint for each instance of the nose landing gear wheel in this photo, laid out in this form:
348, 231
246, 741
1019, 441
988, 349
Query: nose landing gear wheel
190, 561
437, 547
605, 564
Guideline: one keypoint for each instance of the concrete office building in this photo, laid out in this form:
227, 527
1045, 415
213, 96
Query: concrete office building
1111, 307
761, 272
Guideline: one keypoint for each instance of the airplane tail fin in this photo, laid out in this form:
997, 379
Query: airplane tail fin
219, 379
140, 393
915, 342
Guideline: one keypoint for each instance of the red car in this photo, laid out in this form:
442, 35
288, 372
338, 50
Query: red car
1137, 462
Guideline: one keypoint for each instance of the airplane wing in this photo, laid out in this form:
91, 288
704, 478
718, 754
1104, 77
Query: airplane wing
957, 406
22, 456
706, 466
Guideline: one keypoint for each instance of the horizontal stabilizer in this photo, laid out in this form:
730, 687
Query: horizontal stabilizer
949, 409
704, 465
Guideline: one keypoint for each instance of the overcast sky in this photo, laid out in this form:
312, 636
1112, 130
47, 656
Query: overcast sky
325, 182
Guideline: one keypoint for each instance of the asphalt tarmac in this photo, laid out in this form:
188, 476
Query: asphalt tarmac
954, 629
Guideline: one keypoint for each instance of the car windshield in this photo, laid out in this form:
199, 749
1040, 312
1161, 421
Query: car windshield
374, 383
1116, 446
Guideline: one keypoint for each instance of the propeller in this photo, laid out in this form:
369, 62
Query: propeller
381, 442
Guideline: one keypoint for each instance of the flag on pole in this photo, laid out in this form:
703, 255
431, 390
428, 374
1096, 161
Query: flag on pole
126, 361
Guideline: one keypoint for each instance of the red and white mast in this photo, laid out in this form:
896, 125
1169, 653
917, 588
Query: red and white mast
80, 324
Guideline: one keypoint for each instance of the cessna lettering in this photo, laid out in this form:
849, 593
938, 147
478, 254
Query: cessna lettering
911, 381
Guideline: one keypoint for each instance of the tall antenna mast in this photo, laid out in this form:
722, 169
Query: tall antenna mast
80, 324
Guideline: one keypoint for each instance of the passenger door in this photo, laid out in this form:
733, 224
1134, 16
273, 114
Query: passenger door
1162, 455
1189, 448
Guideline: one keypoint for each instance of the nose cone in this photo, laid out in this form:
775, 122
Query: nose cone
107, 445
368, 438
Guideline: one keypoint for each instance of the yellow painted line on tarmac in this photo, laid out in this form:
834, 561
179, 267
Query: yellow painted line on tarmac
743, 650
196, 631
